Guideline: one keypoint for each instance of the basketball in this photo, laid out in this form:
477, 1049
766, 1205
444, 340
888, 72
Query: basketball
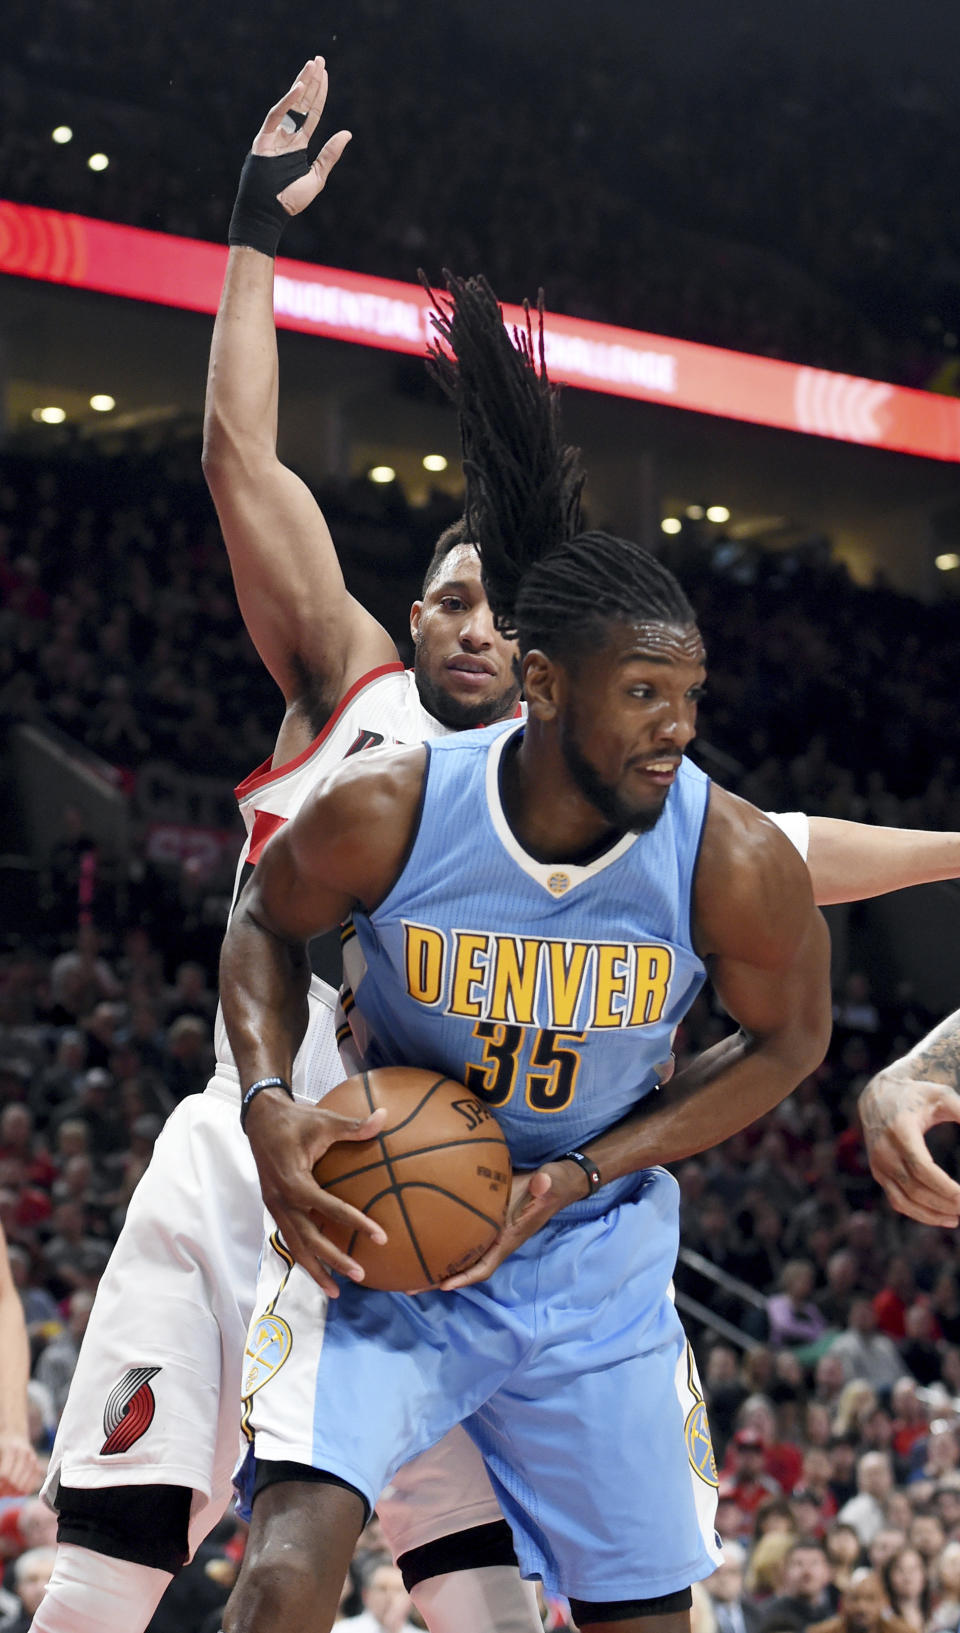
436, 1178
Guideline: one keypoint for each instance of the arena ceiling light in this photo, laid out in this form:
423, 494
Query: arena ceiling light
671, 524
62, 135
718, 513
97, 161
102, 402
435, 462
50, 415
694, 513
947, 562
382, 474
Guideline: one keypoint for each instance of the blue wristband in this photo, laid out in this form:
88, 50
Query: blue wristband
255, 1089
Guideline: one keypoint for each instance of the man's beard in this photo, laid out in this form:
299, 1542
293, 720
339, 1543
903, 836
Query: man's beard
604, 796
462, 716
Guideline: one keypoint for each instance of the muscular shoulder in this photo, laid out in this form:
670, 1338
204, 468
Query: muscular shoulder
752, 892
359, 821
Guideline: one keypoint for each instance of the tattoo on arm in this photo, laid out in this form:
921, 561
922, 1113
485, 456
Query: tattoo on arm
937, 1056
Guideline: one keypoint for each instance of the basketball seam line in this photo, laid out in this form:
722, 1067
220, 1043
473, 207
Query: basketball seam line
415, 1151
419, 1107
441, 1190
390, 1174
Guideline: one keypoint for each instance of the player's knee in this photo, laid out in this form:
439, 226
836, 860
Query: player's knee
278, 1581
147, 1525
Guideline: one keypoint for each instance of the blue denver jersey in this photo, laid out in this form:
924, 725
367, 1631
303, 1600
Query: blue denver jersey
551, 990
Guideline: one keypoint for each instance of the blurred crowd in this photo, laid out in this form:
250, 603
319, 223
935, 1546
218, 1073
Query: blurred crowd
744, 208
137, 650
837, 1427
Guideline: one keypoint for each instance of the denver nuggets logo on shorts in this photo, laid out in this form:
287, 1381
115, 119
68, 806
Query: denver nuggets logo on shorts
696, 1432
267, 1348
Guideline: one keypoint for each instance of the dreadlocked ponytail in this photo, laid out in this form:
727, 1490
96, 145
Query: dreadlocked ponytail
549, 585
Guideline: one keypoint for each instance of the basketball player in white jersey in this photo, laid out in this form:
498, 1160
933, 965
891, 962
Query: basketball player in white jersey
149, 1438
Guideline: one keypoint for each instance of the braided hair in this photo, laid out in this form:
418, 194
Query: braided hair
549, 584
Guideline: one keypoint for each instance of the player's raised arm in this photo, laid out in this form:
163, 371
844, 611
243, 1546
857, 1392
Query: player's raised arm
850, 861
345, 846
897, 1108
314, 638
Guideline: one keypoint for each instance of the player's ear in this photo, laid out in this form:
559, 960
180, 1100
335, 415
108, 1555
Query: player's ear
415, 614
542, 685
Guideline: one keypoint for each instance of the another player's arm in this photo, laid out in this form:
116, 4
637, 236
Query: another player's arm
313, 636
897, 1107
850, 861
346, 846
19, 1466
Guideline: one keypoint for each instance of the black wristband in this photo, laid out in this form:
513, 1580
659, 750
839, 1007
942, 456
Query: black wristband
254, 1090
588, 1167
258, 217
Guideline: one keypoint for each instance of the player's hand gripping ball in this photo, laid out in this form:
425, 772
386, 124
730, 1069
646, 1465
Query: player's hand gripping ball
436, 1177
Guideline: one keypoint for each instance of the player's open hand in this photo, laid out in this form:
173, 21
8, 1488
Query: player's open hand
288, 128
287, 1139
534, 1199
896, 1112
20, 1469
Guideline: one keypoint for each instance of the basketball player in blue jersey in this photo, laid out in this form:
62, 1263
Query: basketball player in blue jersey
188, 1235
537, 908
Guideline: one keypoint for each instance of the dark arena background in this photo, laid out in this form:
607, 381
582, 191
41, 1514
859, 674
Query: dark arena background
745, 220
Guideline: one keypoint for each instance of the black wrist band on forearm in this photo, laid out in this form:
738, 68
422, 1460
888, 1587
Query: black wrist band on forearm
258, 217
587, 1166
255, 1089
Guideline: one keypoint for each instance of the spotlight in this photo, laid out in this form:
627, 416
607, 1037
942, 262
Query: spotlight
434, 462
718, 513
947, 562
102, 402
62, 135
694, 513
671, 524
49, 416
97, 161
382, 474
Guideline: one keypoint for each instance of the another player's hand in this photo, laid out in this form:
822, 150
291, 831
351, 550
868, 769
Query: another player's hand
534, 1199
896, 1112
287, 1139
21, 1471
307, 95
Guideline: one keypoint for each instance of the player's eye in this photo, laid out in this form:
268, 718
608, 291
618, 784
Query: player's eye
452, 603
697, 694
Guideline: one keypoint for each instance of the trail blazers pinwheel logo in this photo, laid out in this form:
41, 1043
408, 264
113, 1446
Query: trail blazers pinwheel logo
129, 1411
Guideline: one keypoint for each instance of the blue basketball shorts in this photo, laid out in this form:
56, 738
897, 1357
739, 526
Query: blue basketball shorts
568, 1368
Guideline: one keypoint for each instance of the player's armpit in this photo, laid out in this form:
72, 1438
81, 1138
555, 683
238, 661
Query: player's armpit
769, 956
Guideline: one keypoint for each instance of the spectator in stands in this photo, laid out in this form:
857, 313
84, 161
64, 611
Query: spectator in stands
894, 1298
867, 1354
905, 1580
867, 1510
945, 1587
31, 1573
807, 1595
732, 1611
386, 1602
834, 1300
844, 1552
56, 1365
863, 1609
792, 1316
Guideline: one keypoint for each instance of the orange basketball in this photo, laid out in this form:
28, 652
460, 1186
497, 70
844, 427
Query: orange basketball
436, 1178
